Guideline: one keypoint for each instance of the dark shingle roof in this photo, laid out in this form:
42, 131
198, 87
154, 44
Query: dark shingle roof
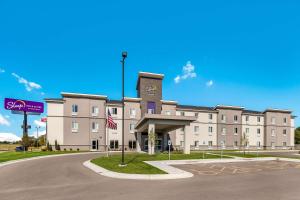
251, 112
195, 107
114, 101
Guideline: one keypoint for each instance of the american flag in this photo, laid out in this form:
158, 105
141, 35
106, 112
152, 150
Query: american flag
110, 122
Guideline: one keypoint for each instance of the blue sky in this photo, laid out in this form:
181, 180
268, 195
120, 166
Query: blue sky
243, 53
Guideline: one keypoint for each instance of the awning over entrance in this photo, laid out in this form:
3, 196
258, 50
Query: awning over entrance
163, 123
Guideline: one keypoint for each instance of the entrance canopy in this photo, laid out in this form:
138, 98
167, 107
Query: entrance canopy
163, 123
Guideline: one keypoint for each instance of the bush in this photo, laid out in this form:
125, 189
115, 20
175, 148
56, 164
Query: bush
65, 149
71, 149
44, 148
77, 149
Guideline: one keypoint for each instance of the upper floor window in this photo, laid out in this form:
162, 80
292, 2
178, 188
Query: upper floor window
235, 118
167, 112
258, 131
273, 120
196, 129
247, 130
273, 132
131, 128
95, 111
114, 111
223, 118
181, 113
95, 126
284, 132
236, 130
75, 126
247, 118
258, 119
196, 114
210, 116
210, 129
132, 113
74, 109
223, 131
285, 121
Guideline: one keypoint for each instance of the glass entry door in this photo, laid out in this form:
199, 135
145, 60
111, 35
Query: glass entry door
94, 144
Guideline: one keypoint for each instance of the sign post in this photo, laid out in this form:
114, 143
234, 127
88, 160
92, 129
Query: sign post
18, 106
169, 144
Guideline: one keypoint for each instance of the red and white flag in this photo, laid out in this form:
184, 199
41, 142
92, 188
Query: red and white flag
44, 119
110, 122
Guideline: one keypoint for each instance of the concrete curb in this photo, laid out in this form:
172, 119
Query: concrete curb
173, 173
40, 157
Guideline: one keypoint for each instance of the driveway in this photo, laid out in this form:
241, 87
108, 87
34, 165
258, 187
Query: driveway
66, 178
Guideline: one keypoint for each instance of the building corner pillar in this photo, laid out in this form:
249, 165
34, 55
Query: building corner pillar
138, 141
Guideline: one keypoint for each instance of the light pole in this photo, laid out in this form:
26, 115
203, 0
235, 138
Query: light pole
37, 135
124, 56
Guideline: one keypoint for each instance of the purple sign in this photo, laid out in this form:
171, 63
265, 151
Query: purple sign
22, 105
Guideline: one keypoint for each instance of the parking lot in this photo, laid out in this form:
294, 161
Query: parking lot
238, 168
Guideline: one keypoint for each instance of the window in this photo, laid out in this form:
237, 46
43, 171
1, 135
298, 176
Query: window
258, 144
74, 109
196, 114
75, 126
247, 130
132, 113
95, 127
196, 129
284, 132
247, 119
235, 144
235, 118
223, 118
196, 143
258, 119
210, 143
210, 129
258, 132
114, 111
114, 144
181, 113
168, 112
131, 128
95, 111
284, 144
273, 132
223, 145
182, 143
132, 144
273, 120
223, 131
151, 107
273, 145
236, 130
210, 116
284, 121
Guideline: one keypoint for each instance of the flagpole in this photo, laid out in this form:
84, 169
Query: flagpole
106, 136
124, 56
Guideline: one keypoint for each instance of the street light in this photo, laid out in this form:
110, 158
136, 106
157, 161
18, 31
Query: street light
124, 56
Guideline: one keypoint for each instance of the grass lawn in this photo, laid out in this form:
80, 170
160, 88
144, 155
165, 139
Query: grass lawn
8, 156
135, 164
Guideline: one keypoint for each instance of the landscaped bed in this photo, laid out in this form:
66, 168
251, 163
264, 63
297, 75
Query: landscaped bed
135, 165
8, 156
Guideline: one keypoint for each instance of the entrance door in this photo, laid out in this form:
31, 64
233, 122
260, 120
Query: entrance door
146, 144
158, 144
94, 144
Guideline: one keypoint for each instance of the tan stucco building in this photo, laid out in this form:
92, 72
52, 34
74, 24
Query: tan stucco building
77, 121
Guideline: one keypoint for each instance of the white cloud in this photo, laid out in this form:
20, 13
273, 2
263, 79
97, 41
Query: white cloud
34, 133
4, 121
28, 84
209, 83
9, 137
2, 70
7, 116
39, 123
188, 71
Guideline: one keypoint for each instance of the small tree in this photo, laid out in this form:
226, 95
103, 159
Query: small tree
25, 141
49, 147
244, 142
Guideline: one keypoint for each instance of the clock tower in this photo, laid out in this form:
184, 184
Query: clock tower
149, 89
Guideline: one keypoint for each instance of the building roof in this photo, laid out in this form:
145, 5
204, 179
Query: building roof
79, 95
252, 112
114, 102
195, 107
277, 110
54, 100
148, 75
229, 107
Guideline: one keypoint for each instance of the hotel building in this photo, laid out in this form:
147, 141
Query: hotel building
77, 121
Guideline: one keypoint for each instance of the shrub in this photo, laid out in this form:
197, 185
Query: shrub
71, 149
77, 149
44, 148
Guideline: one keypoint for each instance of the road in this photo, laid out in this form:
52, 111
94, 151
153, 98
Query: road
66, 178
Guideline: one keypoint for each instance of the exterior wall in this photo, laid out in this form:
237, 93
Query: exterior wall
252, 125
229, 137
171, 135
200, 139
292, 138
55, 123
279, 138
